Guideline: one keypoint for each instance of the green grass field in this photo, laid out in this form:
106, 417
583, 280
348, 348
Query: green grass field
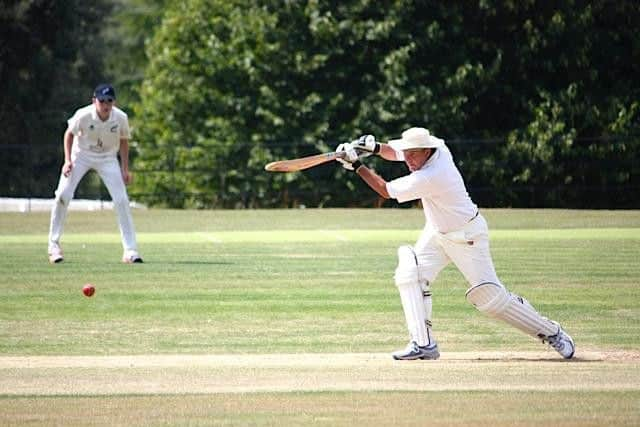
287, 317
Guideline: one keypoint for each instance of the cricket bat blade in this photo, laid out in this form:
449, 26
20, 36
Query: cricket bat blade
303, 163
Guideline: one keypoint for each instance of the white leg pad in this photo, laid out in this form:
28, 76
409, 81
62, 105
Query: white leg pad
497, 302
412, 295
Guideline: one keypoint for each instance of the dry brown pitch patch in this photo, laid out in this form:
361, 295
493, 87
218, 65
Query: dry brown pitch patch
175, 374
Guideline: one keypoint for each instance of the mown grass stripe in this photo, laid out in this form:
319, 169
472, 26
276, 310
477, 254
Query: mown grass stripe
325, 236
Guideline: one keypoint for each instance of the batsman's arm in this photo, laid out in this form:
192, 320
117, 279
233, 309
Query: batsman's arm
387, 153
373, 180
368, 145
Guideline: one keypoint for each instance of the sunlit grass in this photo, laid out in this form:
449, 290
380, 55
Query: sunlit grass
312, 281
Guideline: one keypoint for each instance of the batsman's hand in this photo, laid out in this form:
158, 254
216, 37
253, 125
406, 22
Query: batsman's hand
351, 156
366, 144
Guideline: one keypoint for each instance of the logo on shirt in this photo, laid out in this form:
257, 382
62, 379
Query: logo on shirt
114, 129
91, 127
98, 148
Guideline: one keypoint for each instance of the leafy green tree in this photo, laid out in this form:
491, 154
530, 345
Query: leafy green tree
231, 85
132, 24
582, 94
51, 56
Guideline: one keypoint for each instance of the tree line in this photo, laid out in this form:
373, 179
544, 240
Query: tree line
538, 100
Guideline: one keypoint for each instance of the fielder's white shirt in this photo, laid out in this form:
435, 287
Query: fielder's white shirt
97, 137
439, 185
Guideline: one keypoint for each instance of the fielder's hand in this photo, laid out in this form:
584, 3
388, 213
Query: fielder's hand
126, 176
367, 144
351, 156
66, 168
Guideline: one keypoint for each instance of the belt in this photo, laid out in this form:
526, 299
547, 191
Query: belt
475, 216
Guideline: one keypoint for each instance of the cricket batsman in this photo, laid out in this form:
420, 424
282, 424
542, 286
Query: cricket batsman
455, 231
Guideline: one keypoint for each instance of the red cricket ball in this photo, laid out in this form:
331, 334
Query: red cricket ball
88, 289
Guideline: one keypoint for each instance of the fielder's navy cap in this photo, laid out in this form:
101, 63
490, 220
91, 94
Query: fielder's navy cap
104, 91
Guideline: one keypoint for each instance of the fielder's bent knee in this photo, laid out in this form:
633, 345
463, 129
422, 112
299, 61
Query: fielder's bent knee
63, 198
407, 271
488, 297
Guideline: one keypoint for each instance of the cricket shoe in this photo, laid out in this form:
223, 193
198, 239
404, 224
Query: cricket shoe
55, 254
131, 257
561, 342
413, 352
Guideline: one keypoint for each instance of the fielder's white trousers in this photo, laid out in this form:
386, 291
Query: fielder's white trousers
108, 169
467, 248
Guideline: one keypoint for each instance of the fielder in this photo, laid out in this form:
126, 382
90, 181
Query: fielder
455, 231
95, 135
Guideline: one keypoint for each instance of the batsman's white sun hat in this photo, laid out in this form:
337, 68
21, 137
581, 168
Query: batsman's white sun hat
416, 138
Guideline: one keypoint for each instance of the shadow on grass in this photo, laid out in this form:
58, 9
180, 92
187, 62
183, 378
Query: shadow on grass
532, 359
191, 262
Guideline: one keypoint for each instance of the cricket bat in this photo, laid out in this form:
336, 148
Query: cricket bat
302, 163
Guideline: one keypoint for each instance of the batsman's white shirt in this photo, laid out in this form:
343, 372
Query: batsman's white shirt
454, 231
100, 138
439, 185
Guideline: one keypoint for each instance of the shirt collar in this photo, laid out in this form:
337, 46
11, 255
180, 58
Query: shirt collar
94, 114
432, 159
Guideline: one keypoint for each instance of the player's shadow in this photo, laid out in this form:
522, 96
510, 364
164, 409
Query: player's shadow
192, 262
535, 359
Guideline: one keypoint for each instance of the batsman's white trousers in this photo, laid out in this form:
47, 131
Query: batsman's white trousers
467, 248
109, 171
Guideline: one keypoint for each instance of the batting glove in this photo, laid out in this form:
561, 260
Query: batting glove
367, 144
350, 161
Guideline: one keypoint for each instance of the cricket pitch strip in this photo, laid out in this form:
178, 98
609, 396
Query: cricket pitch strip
193, 374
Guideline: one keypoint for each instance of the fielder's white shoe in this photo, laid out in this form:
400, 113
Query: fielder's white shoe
55, 254
413, 351
131, 257
561, 342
